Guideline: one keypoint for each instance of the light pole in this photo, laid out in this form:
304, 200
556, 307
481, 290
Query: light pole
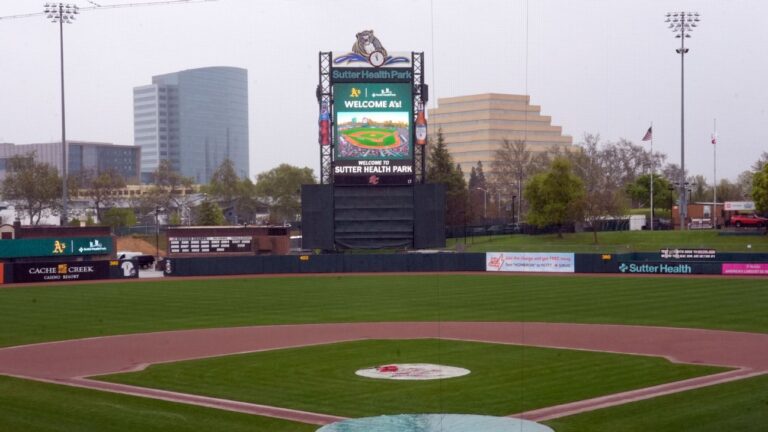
682, 24
62, 13
485, 204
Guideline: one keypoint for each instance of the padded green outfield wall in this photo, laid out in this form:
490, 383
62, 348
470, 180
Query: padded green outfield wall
55, 247
445, 262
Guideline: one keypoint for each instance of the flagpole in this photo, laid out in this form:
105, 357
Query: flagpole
653, 171
714, 163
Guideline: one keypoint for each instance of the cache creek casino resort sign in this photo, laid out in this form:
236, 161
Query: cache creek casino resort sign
372, 107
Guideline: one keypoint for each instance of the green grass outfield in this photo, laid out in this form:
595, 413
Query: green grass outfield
504, 378
44, 313
615, 242
55, 312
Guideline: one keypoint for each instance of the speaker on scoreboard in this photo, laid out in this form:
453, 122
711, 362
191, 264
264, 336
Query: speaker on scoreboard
317, 217
429, 216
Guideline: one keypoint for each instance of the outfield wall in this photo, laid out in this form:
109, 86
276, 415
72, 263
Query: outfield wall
330, 263
630, 263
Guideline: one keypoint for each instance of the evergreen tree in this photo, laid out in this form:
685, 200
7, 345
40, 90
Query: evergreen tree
210, 214
555, 196
442, 170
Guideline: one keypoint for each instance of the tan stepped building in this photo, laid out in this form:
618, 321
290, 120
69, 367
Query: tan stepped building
474, 127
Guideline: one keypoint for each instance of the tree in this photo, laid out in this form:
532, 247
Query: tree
441, 169
477, 190
760, 162
555, 196
760, 189
32, 187
168, 191
513, 163
640, 191
101, 188
280, 189
119, 218
700, 190
729, 191
210, 214
602, 180
744, 183
232, 192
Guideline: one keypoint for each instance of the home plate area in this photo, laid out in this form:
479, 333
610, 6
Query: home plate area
435, 423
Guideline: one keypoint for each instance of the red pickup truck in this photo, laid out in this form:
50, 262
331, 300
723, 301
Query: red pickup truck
748, 220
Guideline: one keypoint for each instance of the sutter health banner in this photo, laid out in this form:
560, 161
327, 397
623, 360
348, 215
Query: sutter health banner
530, 262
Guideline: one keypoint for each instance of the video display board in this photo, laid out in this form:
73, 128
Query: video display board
373, 130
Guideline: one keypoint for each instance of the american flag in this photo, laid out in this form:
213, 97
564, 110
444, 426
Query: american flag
648, 135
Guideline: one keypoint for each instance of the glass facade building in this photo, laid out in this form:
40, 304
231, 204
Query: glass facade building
81, 155
195, 119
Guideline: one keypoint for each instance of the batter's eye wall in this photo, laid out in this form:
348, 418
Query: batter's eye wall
373, 217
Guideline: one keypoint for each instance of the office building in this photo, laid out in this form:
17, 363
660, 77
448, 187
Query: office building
474, 127
195, 119
82, 155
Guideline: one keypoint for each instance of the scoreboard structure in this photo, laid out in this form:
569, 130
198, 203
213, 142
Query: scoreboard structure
372, 136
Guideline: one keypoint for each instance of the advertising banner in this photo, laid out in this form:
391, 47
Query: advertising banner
372, 125
739, 206
55, 247
704, 254
530, 262
745, 269
56, 271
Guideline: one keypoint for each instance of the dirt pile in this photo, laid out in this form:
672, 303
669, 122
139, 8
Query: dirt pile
132, 244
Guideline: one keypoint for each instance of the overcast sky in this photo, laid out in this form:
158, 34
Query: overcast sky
598, 66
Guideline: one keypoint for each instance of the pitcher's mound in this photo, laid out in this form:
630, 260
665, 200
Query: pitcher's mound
412, 371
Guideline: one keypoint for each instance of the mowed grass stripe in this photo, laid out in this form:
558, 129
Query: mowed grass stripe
502, 379
737, 406
44, 313
30, 406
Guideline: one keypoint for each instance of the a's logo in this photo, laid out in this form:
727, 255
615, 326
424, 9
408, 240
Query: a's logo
623, 268
62, 269
58, 247
95, 244
374, 180
355, 92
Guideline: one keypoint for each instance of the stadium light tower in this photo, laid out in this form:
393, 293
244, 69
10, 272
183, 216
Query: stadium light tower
682, 24
61, 14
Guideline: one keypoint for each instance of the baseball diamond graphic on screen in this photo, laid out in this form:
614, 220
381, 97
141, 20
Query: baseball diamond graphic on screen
376, 135
373, 121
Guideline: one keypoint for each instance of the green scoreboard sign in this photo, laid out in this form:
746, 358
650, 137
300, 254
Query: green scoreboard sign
372, 125
55, 247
